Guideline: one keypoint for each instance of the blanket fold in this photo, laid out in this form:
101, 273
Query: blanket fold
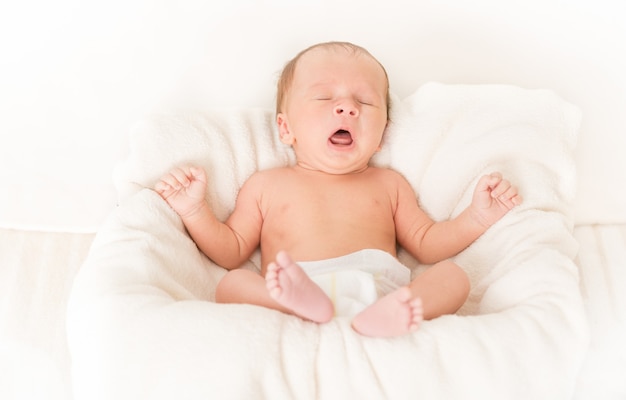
142, 322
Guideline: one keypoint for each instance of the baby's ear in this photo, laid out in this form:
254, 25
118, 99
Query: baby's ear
283, 129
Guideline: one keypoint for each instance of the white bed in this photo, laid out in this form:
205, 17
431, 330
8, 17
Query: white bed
153, 332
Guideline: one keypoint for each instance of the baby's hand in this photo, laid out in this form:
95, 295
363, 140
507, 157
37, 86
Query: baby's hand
183, 189
493, 198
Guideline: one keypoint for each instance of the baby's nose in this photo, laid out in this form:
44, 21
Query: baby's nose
347, 108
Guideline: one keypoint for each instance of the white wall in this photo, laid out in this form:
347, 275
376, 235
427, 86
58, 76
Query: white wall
75, 75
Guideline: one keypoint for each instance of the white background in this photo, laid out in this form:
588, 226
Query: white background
75, 76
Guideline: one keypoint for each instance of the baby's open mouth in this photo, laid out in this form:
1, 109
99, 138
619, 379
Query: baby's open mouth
341, 137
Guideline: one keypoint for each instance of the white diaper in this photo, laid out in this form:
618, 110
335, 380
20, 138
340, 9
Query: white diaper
356, 280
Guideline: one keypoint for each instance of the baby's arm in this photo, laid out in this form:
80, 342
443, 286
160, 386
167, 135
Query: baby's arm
432, 242
228, 244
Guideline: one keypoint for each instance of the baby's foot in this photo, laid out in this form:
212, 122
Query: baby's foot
393, 315
291, 287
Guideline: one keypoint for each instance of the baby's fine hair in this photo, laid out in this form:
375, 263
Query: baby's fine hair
286, 76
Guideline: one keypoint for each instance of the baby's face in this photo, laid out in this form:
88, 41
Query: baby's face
335, 111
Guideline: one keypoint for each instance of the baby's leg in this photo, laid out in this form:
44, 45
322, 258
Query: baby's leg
395, 314
443, 288
291, 287
242, 286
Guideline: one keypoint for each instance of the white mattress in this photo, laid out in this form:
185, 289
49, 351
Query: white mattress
602, 262
38, 269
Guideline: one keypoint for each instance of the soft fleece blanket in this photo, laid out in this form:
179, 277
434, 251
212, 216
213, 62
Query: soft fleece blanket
142, 322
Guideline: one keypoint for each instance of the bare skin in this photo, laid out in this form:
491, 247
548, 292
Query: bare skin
332, 203
290, 286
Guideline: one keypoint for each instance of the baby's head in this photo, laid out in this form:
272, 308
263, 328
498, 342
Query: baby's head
286, 77
333, 107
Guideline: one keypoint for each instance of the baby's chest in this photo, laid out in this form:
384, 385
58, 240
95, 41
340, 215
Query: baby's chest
349, 205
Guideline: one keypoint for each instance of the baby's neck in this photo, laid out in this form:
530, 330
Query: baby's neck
302, 167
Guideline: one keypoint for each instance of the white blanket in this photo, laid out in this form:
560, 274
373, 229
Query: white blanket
142, 323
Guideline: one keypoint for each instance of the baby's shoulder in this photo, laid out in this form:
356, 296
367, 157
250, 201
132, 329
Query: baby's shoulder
272, 174
267, 177
387, 174
392, 180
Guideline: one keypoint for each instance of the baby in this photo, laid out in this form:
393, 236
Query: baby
332, 108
